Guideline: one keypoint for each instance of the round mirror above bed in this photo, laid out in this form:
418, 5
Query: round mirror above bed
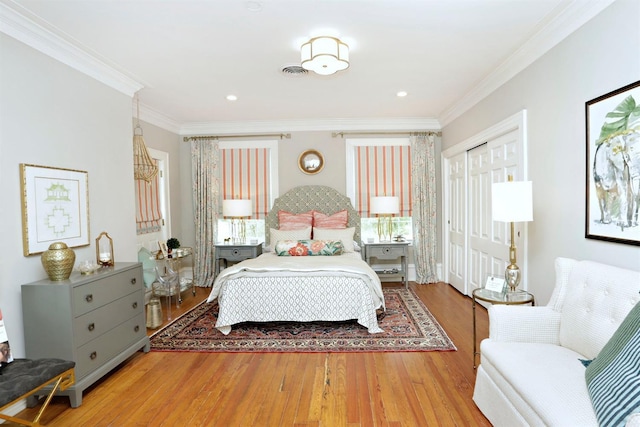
311, 162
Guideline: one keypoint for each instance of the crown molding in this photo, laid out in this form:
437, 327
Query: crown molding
24, 26
575, 14
156, 118
332, 125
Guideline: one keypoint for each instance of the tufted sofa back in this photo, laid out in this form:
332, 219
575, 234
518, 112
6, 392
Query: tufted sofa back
593, 300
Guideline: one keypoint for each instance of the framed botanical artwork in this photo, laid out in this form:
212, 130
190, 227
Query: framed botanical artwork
55, 207
613, 166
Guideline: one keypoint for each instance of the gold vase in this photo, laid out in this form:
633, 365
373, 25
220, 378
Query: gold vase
58, 261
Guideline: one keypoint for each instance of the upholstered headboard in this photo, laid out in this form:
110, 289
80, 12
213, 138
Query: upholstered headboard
308, 197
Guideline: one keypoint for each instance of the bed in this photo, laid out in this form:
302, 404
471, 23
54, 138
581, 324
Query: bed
273, 287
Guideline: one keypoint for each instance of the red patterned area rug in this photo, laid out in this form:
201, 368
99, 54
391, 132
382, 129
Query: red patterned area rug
407, 325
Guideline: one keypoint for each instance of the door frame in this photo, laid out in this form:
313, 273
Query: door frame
516, 122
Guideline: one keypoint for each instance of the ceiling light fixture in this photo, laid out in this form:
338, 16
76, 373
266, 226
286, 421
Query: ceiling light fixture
401, 94
232, 98
324, 55
144, 167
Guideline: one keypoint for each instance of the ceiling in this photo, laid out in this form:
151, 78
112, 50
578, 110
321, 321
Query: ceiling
186, 56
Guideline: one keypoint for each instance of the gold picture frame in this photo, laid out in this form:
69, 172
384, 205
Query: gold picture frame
311, 162
55, 207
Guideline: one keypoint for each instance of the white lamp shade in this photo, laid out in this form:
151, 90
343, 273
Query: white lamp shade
384, 205
512, 201
237, 208
324, 55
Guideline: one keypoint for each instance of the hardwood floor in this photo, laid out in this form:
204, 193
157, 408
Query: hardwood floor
271, 389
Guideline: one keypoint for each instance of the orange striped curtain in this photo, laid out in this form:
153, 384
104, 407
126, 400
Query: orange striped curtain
148, 213
245, 175
383, 171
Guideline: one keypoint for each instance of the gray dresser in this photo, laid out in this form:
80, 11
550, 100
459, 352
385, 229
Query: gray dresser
95, 320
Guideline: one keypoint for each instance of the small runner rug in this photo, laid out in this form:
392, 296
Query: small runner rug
407, 325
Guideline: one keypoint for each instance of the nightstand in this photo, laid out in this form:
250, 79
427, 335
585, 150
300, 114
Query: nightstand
389, 251
235, 253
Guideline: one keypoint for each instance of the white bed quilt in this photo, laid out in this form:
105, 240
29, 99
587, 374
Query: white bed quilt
302, 289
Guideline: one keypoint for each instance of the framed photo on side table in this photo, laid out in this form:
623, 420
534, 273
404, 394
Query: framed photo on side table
613, 166
55, 207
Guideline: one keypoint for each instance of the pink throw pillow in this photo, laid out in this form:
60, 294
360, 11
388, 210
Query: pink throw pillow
337, 220
291, 221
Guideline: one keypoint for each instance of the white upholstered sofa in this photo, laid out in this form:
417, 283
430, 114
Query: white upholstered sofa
530, 372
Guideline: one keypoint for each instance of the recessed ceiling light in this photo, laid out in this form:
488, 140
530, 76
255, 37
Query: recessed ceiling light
231, 98
401, 94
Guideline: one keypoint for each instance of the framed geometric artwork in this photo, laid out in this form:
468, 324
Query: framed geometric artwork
613, 166
55, 207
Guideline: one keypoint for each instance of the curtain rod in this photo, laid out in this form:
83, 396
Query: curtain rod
343, 134
218, 137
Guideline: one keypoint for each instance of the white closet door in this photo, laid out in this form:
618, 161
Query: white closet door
456, 222
488, 247
474, 245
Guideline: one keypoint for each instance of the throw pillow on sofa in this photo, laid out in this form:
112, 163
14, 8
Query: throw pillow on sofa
613, 378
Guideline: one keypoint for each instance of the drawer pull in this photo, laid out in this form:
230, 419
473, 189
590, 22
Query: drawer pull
93, 355
89, 298
236, 252
133, 281
137, 328
91, 326
135, 304
386, 250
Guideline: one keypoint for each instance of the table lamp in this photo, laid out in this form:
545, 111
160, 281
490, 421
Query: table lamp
511, 202
237, 210
384, 207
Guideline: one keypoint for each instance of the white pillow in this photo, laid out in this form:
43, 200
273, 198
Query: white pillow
344, 234
300, 234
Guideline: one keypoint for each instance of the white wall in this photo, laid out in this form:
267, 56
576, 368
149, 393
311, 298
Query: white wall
598, 58
52, 115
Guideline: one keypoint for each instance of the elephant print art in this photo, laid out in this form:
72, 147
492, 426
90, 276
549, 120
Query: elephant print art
613, 171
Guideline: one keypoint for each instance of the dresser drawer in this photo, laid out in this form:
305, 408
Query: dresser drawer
92, 295
99, 351
236, 253
386, 252
91, 325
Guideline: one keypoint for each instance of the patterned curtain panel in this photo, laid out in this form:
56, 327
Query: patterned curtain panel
205, 181
148, 212
383, 171
245, 175
424, 206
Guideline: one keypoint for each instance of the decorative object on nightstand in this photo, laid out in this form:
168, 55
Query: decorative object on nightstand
235, 253
237, 210
104, 250
58, 261
512, 202
384, 207
389, 251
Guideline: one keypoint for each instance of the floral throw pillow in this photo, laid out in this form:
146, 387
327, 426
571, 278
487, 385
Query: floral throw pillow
309, 248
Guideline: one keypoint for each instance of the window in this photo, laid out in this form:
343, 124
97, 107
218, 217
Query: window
380, 167
249, 170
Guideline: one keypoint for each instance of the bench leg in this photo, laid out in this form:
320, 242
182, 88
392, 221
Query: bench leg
62, 381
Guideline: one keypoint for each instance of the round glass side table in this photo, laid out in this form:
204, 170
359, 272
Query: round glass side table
504, 298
